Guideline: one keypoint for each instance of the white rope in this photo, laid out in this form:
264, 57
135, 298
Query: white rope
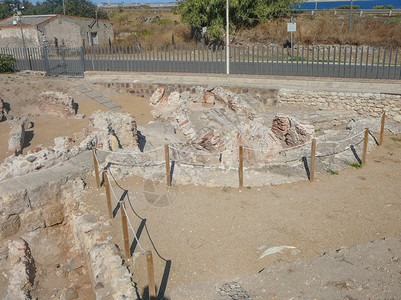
132, 229
232, 149
131, 152
198, 153
350, 138
278, 150
123, 207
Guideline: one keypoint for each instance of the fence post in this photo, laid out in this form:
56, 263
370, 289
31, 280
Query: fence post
313, 161
95, 162
382, 129
106, 182
46, 59
167, 158
241, 166
151, 275
83, 60
125, 229
365, 146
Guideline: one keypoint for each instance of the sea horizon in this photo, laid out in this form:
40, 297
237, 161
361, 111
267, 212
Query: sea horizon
310, 4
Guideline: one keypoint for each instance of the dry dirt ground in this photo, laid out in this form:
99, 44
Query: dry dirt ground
209, 234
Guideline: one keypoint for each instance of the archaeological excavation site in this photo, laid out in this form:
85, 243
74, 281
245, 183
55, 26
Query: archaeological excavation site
130, 187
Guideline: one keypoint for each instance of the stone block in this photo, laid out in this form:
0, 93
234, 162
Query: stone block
9, 225
53, 214
32, 220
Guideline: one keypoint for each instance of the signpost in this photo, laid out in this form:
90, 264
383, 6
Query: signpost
291, 27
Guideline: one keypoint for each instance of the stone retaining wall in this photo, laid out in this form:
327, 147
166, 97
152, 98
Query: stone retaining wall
146, 90
366, 104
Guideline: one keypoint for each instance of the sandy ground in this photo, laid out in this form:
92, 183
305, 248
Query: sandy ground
214, 233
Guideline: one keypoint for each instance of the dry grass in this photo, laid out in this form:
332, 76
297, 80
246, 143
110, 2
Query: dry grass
323, 29
327, 29
156, 31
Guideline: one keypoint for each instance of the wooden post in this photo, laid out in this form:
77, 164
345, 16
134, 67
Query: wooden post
151, 275
241, 166
313, 161
106, 182
365, 146
125, 229
167, 157
95, 162
382, 129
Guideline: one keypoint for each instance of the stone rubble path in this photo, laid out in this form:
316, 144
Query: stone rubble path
97, 97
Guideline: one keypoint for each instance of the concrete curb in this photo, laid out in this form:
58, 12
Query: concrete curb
251, 81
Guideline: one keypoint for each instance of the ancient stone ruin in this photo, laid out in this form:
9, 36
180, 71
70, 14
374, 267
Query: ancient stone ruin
58, 104
203, 128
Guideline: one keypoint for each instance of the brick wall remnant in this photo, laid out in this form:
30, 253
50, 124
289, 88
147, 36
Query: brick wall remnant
59, 104
291, 131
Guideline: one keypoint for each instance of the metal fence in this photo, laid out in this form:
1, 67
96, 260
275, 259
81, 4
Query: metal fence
311, 61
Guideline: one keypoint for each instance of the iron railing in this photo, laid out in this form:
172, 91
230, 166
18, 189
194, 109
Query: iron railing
310, 61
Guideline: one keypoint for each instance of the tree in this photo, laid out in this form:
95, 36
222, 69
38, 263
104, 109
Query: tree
5, 9
211, 14
80, 8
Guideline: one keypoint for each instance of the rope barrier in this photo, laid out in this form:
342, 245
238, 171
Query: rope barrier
123, 207
278, 150
138, 216
132, 229
200, 154
132, 152
180, 161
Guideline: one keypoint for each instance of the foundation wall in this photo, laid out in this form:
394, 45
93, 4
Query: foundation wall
45, 198
368, 104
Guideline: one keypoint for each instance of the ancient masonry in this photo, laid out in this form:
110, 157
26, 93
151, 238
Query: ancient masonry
367, 104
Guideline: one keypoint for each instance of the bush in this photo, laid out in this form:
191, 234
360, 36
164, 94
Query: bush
383, 7
348, 7
7, 63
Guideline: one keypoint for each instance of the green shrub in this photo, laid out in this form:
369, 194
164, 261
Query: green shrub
348, 7
393, 20
7, 63
383, 7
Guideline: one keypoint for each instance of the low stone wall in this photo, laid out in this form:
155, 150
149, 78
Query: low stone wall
366, 104
146, 90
